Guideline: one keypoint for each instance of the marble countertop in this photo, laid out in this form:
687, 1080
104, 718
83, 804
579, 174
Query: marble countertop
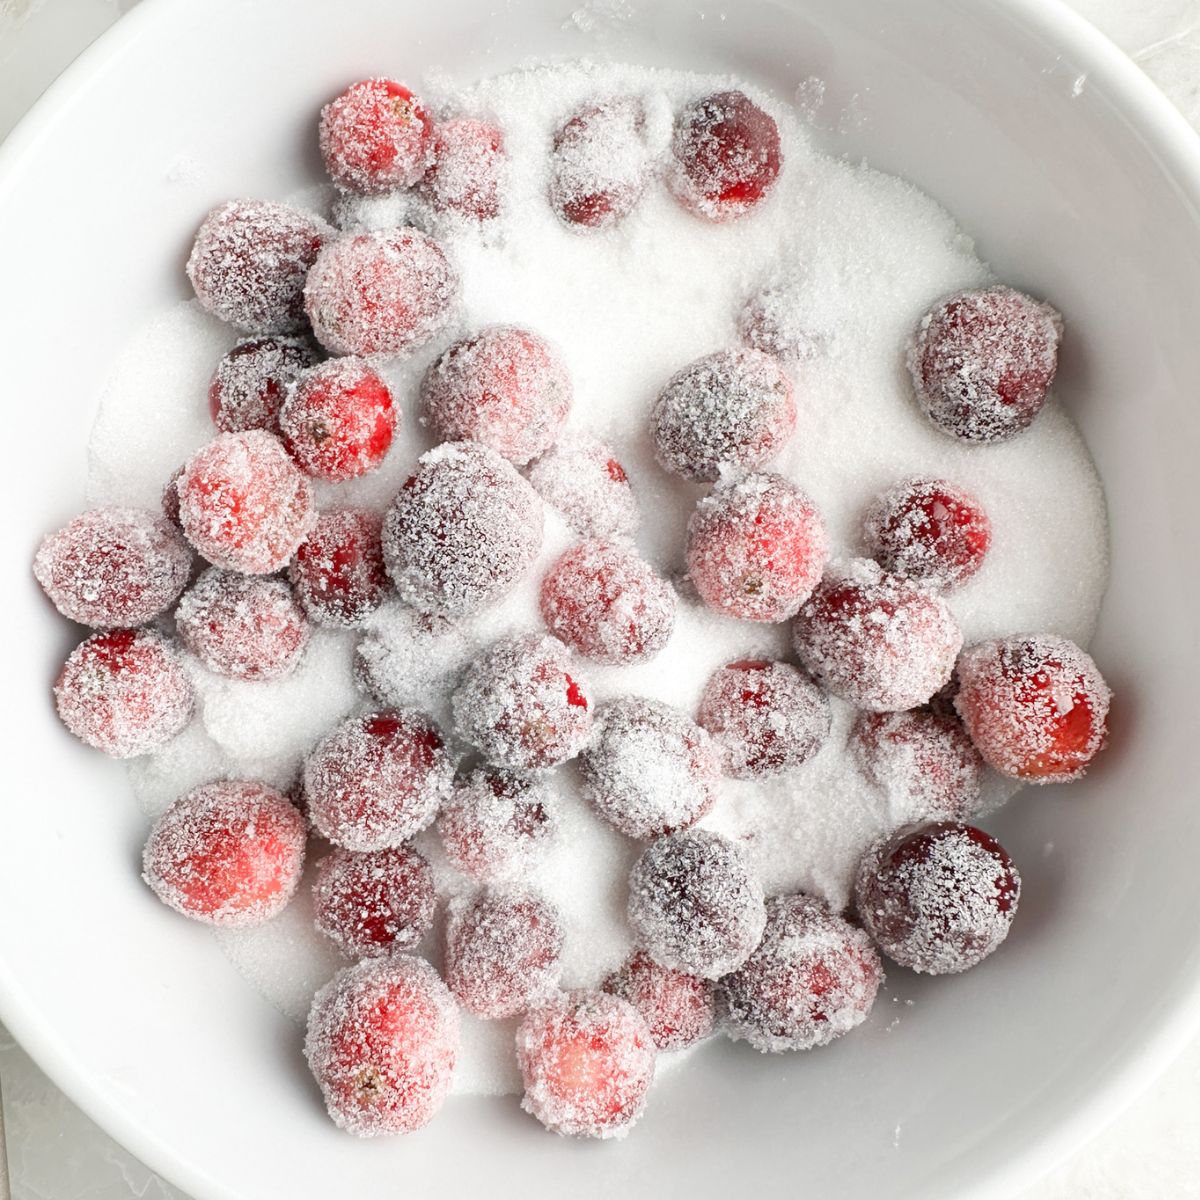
1151, 1152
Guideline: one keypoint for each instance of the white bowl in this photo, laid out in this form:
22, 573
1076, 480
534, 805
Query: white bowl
1078, 180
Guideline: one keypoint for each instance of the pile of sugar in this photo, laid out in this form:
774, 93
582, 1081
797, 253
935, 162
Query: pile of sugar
862, 255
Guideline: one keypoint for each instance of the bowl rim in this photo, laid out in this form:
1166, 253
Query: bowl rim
1174, 143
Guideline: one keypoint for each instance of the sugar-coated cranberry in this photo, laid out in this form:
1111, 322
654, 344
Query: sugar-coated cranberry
375, 903
765, 717
726, 155
730, 409
124, 692
607, 604
249, 263
520, 704
113, 566
582, 478
382, 1041
464, 179
650, 769
462, 530
982, 362
600, 163
876, 640
383, 293
227, 853
775, 321
928, 530
679, 1008
812, 978
375, 137
496, 823
924, 762
756, 548
504, 387
502, 951
377, 780
587, 1061
1035, 705
938, 898
405, 656
170, 500
338, 572
244, 504
695, 904
249, 385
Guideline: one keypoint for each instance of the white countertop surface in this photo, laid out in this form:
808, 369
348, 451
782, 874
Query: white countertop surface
1152, 1152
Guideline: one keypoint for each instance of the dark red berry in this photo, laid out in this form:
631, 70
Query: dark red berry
375, 137
249, 385
338, 572
679, 1008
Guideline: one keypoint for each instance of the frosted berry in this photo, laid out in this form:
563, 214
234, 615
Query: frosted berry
1035, 705
250, 260
776, 320
375, 137
650, 769
937, 898
228, 853
730, 409
695, 904
876, 640
462, 530
338, 571
244, 504
503, 387
929, 531
756, 548
405, 655
520, 704
982, 362
587, 1061
249, 385
726, 156
765, 717
468, 161
600, 163
377, 780
383, 293
582, 478
170, 500
812, 978
124, 692
607, 604
375, 903
382, 1042
113, 566
496, 823
502, 951
678, 1008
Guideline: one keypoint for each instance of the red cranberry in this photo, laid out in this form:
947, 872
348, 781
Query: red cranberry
372, 904
730, 409
937, 898
244, 504
765, 717
382, 1041
982, 362
251, 381
678, 1008
377, 780
124, 692
461, 531
375, 137
227, 853
249, 263
113, 566
338, 571
587, 1060
382, 293
756, 548
695, 904
876, 640
812, 978
930, 531
726, 156
607, 604
650, 769
468, 160
503, 387
1036, 706
584, 481
170, 500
